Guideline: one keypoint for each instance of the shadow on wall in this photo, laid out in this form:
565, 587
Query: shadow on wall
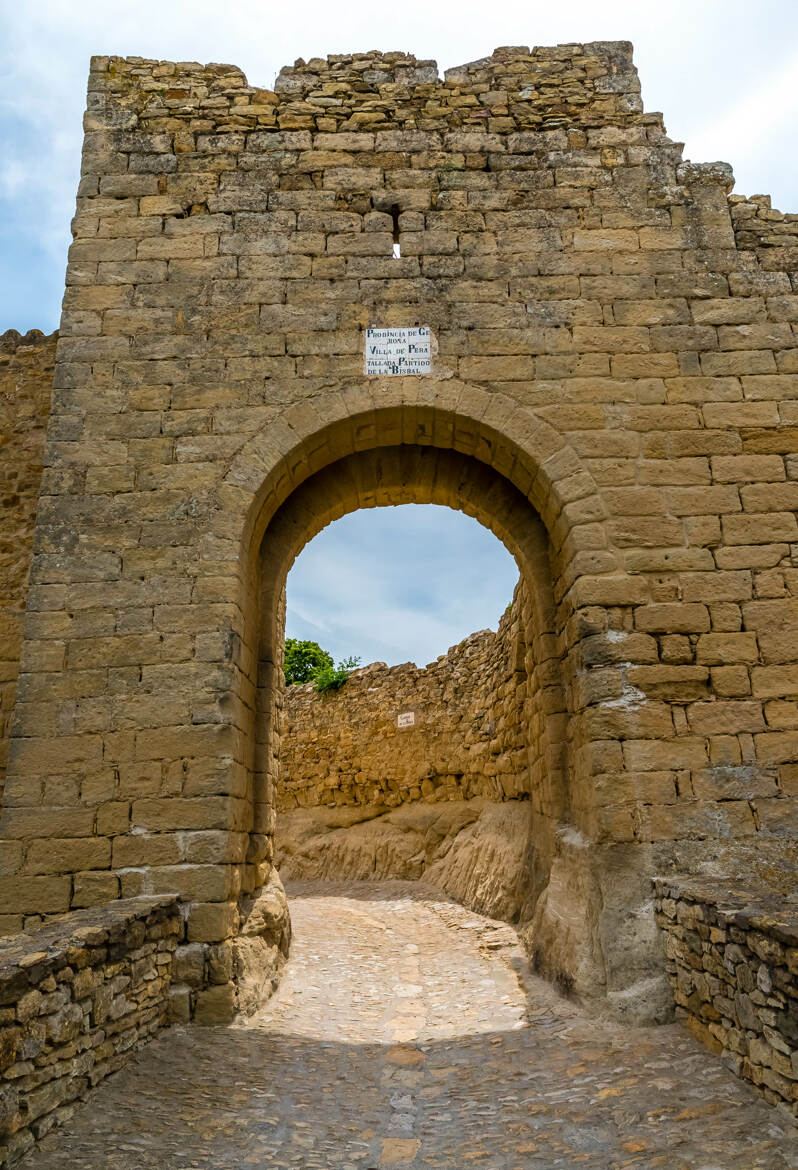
26, 378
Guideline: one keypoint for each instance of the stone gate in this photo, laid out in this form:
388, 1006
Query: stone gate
613, 391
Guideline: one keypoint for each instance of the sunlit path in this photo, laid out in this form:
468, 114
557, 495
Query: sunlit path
401, 1036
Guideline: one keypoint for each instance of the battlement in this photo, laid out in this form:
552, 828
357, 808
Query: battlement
515, 88
12, 339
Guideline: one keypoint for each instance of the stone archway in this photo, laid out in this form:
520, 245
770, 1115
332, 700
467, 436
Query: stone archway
415, 474
409, 453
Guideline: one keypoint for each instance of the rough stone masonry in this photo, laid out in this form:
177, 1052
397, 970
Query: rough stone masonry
77, 997
733, 962
416, 773
613, 390
26, 383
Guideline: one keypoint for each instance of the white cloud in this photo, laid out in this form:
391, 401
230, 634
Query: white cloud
752, 132
399, 584
13, 177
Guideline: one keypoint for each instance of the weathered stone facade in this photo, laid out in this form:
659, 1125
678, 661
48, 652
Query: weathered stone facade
612, 392
733, 963
76, 998
26, 380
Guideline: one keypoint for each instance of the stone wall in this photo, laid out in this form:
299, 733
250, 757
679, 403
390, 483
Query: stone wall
758, 225
446, 799
733, 963
76, 998
468, 738
26, 378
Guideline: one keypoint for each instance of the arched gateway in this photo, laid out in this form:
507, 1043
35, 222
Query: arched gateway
610, 390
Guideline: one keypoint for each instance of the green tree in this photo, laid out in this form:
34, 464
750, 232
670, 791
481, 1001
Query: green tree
331, 678
304, 660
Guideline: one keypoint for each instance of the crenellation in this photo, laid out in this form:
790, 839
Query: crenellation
596, 85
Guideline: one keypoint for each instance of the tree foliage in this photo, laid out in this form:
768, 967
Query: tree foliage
331, 678
304, 660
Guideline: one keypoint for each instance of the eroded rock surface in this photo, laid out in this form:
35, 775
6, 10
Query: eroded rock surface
473, 850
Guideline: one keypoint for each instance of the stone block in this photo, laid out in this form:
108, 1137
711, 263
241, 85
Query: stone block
727, 649
94, 889
645, 755
179, 1004
145, 849
59, 855
212, 921
673, 617
723, 717
169, 813
215, 1006
189, 965
35, 895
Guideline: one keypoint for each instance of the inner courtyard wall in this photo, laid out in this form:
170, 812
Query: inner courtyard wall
363, 794
612, 334
468, 735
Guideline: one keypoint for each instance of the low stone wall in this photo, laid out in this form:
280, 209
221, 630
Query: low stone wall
76, 996
733, 965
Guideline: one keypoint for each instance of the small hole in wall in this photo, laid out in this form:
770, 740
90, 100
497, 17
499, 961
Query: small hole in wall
397, 249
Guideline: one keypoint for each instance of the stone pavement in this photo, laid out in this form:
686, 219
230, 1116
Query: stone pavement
401, 1036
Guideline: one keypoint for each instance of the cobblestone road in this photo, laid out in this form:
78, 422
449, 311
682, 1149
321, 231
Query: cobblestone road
401, 1037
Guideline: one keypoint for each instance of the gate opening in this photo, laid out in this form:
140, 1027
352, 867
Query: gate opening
466, 792
402, 770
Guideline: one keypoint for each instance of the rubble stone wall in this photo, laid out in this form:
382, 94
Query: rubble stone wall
733, 963
26, 379
468, 737
446, 800
76, 998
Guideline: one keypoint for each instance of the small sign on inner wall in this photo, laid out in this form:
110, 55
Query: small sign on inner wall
399, 351
406, 719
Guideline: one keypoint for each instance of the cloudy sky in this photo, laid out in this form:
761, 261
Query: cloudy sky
406, 583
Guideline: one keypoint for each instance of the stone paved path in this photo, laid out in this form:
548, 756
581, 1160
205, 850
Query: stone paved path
401, 1037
